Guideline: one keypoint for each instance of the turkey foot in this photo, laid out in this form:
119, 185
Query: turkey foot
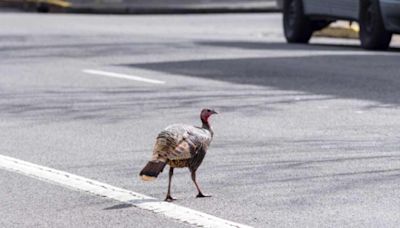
169, 198
201, 195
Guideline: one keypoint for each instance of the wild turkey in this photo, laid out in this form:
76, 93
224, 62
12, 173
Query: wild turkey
180, 146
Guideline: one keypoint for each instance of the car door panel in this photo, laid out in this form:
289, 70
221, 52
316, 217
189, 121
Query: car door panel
345, 9
336, 8
317, 7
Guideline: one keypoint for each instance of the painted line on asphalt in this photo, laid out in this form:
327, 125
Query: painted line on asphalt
123, 76
71, 181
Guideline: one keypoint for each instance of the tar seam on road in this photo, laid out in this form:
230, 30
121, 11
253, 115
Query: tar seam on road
124, 76
74, 182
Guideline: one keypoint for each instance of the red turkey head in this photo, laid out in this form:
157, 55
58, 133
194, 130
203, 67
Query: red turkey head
206, 113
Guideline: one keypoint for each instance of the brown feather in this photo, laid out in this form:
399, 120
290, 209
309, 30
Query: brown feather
151, 170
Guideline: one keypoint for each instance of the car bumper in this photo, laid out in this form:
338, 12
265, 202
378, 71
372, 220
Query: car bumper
391, 14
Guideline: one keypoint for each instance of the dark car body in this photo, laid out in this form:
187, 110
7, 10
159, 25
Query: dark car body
387, 11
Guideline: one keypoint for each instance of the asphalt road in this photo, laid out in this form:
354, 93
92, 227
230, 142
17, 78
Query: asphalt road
307, 135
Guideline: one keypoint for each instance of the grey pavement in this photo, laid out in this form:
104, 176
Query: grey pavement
40, 209
307, 135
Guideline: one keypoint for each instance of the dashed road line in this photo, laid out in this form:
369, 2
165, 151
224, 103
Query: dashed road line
123, 76
78, 183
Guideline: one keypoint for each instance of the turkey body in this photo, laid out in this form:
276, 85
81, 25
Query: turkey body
180, 146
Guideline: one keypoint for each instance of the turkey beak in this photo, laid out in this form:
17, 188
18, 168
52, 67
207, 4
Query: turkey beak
214, 112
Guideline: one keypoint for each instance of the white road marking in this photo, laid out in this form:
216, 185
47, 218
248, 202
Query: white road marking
124, 76
138, 200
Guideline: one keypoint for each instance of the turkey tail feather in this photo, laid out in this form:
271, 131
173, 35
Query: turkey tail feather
151, 170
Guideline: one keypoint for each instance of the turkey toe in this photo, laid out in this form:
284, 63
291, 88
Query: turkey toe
200, 195
169, 199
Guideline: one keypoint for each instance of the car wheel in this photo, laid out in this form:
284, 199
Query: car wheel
297, 27
373, 34
42, 8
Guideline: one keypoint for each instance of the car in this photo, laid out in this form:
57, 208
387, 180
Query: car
378, 19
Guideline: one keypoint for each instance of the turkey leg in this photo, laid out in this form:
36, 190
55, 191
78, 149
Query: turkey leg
200, 195
169, 197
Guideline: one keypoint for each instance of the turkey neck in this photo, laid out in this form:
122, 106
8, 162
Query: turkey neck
207, 126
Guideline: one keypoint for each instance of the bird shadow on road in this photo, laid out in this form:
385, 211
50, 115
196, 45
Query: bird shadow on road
131, 203
119, 206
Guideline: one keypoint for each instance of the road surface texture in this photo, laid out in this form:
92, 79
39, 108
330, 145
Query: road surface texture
307, 135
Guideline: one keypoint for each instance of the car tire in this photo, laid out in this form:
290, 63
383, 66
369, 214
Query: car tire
373, 35
42, 8
297, 26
